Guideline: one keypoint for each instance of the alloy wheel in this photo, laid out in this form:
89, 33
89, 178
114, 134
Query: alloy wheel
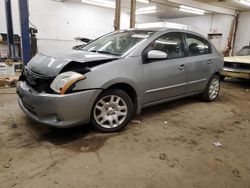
110, 111
214, 88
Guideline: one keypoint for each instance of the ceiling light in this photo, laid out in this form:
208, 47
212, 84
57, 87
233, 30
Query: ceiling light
143, 1
146, 10
103, 3
245, 2
191, 10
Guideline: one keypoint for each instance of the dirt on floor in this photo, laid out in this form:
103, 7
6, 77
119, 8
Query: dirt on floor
170, 145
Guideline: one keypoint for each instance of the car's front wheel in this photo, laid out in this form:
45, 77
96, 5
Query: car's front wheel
212, 90
112, 111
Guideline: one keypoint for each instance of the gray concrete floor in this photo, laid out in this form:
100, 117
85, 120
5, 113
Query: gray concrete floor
171, 147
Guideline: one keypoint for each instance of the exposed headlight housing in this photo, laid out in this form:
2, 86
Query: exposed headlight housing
65, 80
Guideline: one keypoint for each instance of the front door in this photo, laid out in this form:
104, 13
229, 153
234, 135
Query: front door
165, 79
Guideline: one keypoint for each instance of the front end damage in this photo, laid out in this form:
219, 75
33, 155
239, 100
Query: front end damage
46, 92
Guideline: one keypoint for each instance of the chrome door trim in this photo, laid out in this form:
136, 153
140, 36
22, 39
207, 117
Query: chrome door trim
164, 88
196, 81
173, 86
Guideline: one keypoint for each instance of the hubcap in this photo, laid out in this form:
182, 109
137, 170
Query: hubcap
110, 111
214, 89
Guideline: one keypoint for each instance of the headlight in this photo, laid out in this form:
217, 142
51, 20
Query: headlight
63, 81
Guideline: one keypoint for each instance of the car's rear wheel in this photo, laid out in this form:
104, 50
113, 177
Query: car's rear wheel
112, 111
213, 88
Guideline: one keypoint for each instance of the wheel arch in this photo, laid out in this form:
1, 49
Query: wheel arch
216, 73
131, 90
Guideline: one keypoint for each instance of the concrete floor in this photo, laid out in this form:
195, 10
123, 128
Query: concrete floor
171, 147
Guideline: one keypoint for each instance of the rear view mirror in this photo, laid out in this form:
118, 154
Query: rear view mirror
156, 54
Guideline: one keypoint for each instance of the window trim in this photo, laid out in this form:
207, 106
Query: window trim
187, 48
184, 43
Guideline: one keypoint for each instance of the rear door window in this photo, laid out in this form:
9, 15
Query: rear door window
197, 45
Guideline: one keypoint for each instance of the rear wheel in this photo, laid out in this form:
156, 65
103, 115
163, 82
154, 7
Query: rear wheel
212, 90
112, 111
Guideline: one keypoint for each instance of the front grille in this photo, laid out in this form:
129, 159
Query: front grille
38, 82
236, 65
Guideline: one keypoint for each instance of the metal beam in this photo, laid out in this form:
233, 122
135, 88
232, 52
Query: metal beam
25, 38
10, 33
117, 15
132, 13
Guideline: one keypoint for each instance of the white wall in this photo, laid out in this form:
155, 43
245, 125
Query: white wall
59, 23
209, 24
243, 31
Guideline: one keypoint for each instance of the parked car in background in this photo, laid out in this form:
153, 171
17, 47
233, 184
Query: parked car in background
237, 66
117, 75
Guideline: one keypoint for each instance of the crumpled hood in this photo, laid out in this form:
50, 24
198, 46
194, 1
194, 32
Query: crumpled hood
52, 66
238, 59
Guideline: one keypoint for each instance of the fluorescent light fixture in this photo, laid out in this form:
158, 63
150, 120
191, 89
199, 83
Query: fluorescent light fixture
191, 10
143, 1
102, 3
245, 2
146, 10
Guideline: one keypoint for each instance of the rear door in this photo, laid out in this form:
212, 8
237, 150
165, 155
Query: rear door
199, 63
165, 79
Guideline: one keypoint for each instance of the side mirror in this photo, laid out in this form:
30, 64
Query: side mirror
156, 54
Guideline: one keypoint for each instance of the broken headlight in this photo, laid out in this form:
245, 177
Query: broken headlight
65, 80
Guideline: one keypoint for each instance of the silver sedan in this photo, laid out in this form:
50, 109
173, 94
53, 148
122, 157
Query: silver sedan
115, 76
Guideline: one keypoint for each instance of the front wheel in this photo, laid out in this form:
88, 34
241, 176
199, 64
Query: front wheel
112, 111
212, 90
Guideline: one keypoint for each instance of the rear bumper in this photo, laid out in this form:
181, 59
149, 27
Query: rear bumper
235, 73
57, 110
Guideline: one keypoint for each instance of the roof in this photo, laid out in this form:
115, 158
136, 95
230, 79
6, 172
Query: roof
156, 29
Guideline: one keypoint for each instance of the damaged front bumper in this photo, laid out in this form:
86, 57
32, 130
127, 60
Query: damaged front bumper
56, 110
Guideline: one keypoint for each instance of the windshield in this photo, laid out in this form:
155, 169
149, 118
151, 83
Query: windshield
117, 43
245, 51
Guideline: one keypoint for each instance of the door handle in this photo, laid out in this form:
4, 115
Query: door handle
182, 67
210, 61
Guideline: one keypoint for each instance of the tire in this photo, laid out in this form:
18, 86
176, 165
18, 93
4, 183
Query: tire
222, 78
212, 90
112, 111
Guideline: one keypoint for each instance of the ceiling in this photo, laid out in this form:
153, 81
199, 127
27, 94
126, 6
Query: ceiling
164, 10
169, 8
232, 4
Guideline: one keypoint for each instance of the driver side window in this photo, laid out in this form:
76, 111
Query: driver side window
170, 43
